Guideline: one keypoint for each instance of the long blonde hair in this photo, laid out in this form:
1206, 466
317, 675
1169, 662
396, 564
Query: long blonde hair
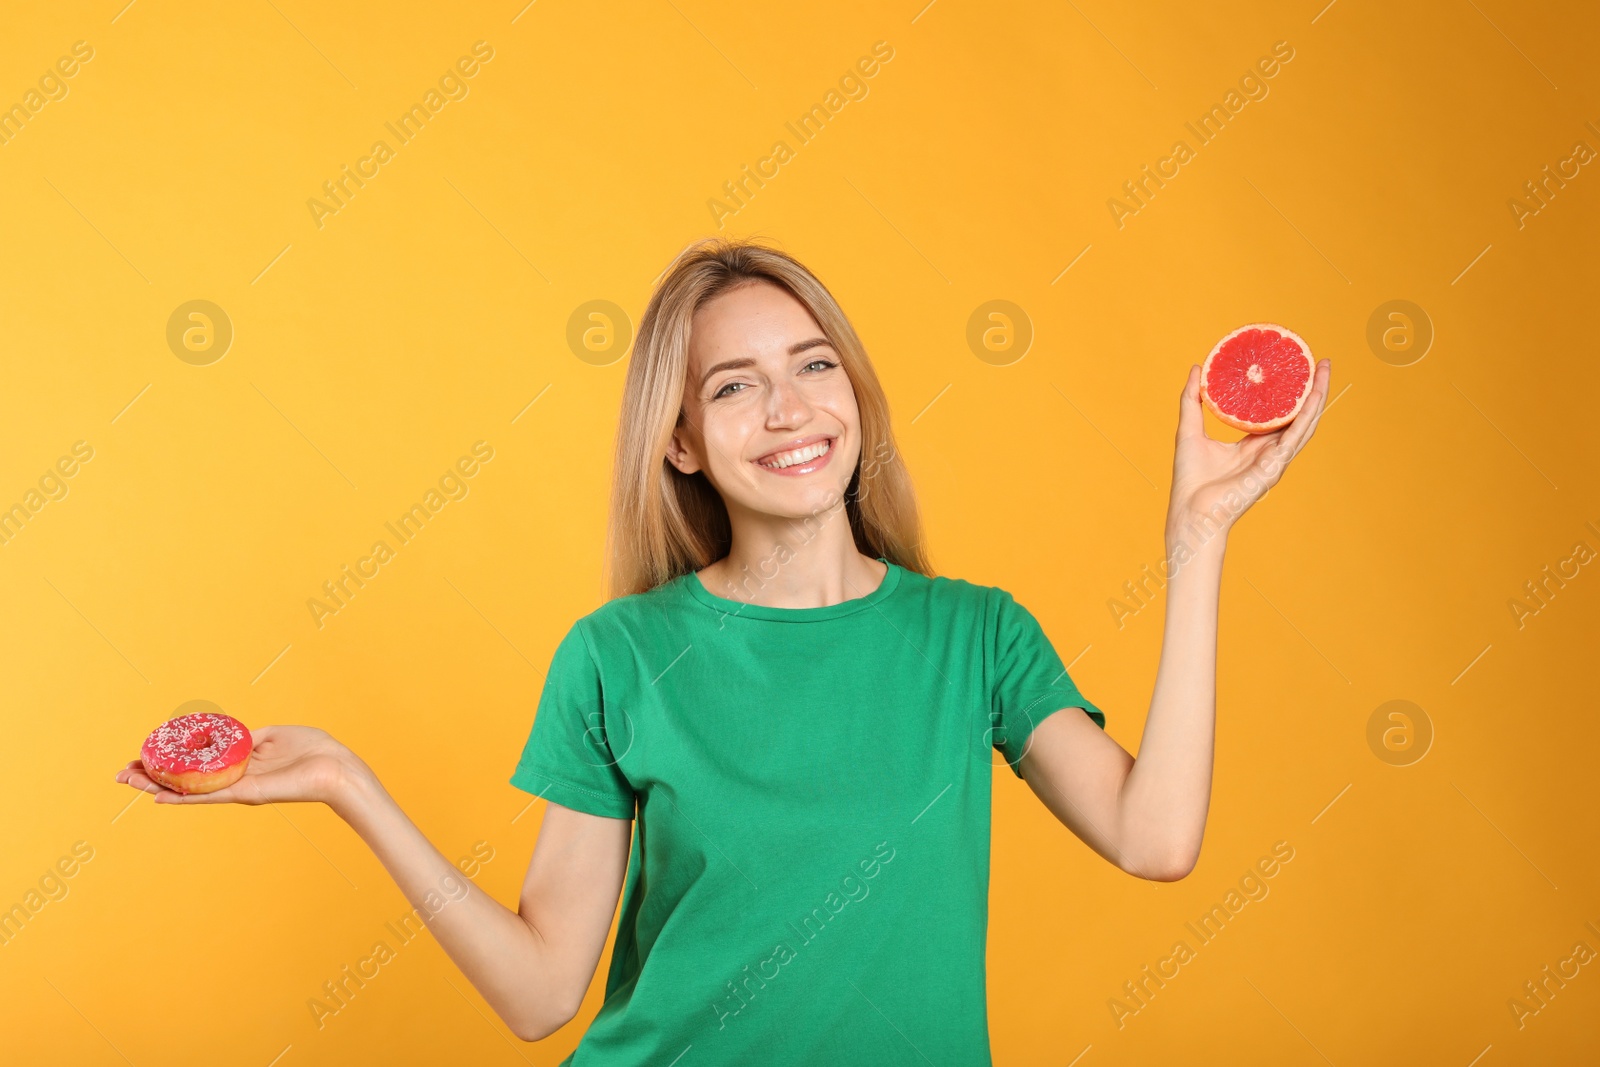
665, 523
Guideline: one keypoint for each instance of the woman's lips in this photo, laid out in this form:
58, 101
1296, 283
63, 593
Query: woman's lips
809, 466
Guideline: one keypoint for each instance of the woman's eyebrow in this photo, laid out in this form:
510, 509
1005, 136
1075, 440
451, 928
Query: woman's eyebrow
745, 361
800, 346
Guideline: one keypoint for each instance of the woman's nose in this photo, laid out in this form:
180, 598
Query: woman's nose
787, 405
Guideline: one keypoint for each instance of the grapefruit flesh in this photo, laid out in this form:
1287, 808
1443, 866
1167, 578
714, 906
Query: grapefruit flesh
1257, 378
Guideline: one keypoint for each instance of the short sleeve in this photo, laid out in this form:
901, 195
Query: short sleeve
572, 750
1030, 681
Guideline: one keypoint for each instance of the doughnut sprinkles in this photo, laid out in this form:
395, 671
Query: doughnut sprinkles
197, 753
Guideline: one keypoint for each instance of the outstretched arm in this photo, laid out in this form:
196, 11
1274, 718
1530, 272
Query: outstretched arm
532, 965
1148, 815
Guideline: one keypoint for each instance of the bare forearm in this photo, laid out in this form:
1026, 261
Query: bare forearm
1163, 802
493, 946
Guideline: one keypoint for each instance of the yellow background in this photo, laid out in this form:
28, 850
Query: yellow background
432, 309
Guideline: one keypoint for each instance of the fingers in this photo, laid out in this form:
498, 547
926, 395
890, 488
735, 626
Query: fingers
1190, 421
247, 790
138, 780
133, 775
1305, 422
1284, 443
221, 796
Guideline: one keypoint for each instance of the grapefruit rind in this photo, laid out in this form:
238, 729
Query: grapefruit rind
1271, 424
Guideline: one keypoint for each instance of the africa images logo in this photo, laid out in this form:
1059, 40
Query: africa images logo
851, 889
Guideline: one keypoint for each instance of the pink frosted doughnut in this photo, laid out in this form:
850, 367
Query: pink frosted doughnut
197, 753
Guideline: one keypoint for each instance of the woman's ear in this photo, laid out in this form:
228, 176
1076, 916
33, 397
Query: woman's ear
679, 454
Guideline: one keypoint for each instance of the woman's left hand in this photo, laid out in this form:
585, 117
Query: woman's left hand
1214, 482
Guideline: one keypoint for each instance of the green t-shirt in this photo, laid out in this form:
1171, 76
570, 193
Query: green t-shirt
809, 876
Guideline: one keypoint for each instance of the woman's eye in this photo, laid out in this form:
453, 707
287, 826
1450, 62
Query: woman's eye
824, 364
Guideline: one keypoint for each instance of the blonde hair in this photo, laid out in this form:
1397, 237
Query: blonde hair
665, 523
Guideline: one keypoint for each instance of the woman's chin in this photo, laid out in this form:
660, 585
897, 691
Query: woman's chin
798, 501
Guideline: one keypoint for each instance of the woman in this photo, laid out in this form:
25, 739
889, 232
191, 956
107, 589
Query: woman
781, 729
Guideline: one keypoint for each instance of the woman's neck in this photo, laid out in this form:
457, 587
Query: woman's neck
794, 564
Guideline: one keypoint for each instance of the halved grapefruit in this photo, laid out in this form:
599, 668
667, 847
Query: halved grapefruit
1257, 378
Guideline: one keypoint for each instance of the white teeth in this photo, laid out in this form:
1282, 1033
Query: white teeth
799, 455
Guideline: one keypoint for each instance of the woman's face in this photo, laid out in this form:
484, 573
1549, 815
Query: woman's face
769, 414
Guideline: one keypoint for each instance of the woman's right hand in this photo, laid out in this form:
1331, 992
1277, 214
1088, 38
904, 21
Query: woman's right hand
287, 764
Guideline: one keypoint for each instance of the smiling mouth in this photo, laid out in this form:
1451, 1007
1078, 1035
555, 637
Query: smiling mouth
798, 460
